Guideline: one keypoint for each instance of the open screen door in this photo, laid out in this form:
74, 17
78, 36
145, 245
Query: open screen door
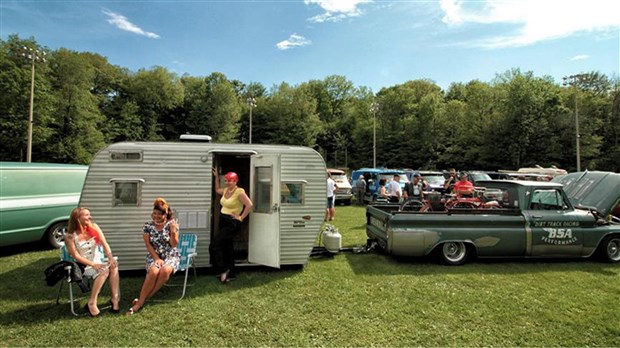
264, 235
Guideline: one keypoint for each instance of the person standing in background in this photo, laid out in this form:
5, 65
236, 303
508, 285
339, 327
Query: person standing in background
360, 190
330, 212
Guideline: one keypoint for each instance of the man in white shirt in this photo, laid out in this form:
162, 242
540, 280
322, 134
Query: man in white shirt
330, 212
394, 190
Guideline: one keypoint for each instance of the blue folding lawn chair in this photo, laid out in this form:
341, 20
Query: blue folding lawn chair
187, 249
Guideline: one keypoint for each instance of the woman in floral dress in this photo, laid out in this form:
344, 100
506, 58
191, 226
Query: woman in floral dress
161, 236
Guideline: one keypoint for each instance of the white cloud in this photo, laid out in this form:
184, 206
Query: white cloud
123, 23
535, 20
336, 10
580, 57
295, 40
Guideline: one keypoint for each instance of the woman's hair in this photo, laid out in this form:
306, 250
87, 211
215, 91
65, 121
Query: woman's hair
161, 205
232, 176
382, 182
74, 223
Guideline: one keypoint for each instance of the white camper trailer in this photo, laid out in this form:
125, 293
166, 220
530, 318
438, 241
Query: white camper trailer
287, 185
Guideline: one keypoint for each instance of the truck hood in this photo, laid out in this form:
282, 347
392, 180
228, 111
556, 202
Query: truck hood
598, 190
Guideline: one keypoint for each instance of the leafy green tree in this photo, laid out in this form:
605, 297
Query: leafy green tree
156, 92
214, 108
288, 116
15, 84
77, 120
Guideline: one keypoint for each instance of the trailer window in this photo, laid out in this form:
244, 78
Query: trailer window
292, 193
134, 156
126, 192
262, 185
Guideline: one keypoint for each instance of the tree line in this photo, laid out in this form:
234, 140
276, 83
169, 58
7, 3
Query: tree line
82, 102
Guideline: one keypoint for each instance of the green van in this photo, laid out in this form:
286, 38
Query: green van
36, 200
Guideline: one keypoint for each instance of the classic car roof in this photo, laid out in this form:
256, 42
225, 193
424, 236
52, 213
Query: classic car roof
599, 190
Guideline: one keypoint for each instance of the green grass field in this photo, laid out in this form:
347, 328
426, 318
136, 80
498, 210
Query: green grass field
345, 300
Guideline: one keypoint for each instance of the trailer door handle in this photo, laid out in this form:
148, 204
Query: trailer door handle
537, 216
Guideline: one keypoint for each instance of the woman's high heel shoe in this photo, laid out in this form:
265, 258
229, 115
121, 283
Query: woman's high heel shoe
112, 310
87, 309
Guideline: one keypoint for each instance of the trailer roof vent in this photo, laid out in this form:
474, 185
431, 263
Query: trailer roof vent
195, 137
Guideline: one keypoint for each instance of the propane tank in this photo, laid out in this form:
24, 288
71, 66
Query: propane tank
332, 239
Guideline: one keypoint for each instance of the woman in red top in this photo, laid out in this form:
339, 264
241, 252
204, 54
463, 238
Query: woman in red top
87, 245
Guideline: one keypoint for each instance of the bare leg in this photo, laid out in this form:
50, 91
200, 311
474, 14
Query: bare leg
115, 287
94, 293
162, 278
149, 282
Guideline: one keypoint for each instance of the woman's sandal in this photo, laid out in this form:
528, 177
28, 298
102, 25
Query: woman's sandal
132, 311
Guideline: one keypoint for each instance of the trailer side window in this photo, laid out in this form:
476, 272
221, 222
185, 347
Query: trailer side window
126, 192
134, 156
292, 193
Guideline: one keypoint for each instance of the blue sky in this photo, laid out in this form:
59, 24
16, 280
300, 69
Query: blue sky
372, 43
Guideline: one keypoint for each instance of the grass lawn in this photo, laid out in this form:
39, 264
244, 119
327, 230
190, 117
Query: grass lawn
345, 300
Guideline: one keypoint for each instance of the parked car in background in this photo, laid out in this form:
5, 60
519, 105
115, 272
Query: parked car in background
373, 176
36, 200
434, 179
344, 193
476, 176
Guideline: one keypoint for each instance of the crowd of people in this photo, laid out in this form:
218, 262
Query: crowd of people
392, 191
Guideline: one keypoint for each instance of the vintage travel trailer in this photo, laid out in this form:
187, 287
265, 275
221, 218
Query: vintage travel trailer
287, 185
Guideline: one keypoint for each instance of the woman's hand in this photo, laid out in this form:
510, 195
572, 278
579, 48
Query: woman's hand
215, 174
159, 263
112, 262
174, 226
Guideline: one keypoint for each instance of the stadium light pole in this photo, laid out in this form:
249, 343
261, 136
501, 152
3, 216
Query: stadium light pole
374, 107
38, 56
252, 104
573, 80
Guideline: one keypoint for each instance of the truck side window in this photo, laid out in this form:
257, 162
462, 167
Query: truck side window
292, 193
551, 199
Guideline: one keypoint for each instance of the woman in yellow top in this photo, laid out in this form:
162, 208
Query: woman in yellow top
236, 205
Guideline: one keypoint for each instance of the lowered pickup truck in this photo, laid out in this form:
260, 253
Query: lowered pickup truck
577, 215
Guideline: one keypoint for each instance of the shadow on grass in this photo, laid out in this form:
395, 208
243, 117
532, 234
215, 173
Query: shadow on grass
23, 248
382, 264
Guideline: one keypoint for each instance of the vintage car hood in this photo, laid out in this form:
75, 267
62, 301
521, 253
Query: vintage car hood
598, 190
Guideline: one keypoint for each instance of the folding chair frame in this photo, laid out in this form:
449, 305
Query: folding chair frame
187, 246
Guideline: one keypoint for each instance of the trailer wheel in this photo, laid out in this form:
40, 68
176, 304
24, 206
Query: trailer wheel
55, 235
611, 249
454, 253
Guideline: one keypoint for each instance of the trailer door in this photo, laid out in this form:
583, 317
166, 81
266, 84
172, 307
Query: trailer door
264, 235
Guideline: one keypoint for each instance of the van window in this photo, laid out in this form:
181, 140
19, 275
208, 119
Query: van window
292, 193
126, 156
126, 192
262, 185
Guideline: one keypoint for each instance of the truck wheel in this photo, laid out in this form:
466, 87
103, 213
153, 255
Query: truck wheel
611, 249
454, 253
55, 235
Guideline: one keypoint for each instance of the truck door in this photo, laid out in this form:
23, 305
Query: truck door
554, 227
264, 236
